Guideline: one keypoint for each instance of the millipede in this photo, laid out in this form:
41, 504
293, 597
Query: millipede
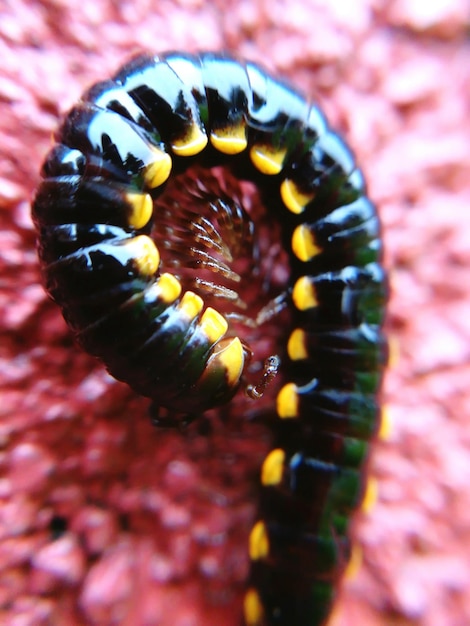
209, 238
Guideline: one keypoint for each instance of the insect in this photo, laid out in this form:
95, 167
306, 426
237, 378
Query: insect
147, 246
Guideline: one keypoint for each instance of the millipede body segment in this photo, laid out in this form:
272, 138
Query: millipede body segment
139, 269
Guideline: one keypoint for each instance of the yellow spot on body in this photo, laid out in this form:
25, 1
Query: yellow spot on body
355, 563
303, 294
158, 171
232, 359
191, 305
253, 608
287, 402
294, 200
385, 429
393, 351
231, 140
297, 345
169, 288
267, 159
224, 367
146, 255
273, 468
165, 289
258, 542
213, 324
303, 243
371, 495
141, 209
192, 144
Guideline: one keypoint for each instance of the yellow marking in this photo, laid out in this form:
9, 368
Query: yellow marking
297, 345
213, 324
253, 608
258, 542
268, 160
355, 563
232, 358
166, 288
191, 305
303, 294
146, 255
192, 144
385, 429
295, 200
287, 402
303, 243
158, 171
169, 288
142, 208
273, 468
371, 495
231, 140
393, 351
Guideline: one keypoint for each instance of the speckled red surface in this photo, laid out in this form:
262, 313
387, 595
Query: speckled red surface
104, 520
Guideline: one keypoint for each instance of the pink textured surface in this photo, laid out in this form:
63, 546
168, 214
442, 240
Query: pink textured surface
151, 528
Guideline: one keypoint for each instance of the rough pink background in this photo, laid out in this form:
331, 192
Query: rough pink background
153, 533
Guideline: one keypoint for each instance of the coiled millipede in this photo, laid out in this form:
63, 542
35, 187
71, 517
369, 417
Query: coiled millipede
148, 217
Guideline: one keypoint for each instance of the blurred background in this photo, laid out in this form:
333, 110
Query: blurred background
104, 520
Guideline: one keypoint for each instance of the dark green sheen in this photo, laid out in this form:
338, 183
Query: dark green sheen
81, 214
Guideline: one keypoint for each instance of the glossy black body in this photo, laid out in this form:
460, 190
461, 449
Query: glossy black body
82, 217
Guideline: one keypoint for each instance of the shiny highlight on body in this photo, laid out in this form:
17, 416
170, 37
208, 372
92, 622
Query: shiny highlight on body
115, 153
